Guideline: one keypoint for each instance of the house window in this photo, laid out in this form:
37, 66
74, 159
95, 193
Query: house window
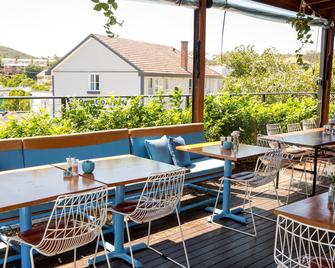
156, 86
94, 82
190, 86
150, 87
166, 85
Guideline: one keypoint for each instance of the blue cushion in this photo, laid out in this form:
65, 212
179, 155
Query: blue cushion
158, 150
179, 158
138, 143
205, 166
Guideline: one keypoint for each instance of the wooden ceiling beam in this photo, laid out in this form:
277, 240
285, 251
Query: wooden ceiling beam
314, 2
324, 6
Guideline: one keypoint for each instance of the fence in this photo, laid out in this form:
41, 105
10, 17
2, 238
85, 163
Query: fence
55, 103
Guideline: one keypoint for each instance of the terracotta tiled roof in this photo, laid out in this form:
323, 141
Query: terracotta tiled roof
151, 58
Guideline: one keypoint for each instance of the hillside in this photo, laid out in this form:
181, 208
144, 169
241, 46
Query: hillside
6, 52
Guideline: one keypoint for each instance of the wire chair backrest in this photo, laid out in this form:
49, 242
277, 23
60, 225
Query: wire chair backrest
273, 129
160, 196
294, 127
301, 245
262, 141
308, 124
267, 167
76, 220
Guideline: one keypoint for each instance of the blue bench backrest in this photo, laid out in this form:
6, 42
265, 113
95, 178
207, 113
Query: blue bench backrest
54, 149
11, 156
192, 133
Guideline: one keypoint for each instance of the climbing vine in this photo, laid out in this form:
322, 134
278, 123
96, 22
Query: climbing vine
301, 23
108, 9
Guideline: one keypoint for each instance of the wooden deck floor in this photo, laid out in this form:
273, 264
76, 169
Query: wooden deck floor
208, 245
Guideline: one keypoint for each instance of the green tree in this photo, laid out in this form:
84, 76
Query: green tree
32, 71
16, 105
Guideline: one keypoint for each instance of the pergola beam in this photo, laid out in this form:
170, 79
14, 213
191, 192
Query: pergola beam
326, 63
199, 64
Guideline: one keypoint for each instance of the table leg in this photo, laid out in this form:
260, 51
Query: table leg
226, 212
315, 174
25, 225
117, 250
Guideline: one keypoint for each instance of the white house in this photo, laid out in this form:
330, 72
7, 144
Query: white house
103, 65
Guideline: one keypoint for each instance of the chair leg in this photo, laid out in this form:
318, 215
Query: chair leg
276, 192
32, 258
130, 246
183, 240
6, 255
149, 231
105, 250
96, 250
289, 188
217, 200
248, 190
75, 257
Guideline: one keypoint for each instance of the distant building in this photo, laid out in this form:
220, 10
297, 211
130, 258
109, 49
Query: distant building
43, 77
15, 66
103, 65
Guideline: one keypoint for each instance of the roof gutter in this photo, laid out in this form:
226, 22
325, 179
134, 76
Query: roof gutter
245, 7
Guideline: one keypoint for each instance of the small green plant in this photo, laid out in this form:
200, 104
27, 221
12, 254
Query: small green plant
301, 23
108, 8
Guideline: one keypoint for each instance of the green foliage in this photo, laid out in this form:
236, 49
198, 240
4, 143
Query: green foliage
16, 105
108, 8
301, 25
224, 114
265, 72
41, 87
32, 71
17, 80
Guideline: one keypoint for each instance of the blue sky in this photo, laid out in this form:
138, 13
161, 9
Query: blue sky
48, 27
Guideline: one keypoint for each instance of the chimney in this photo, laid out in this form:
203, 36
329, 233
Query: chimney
184, 54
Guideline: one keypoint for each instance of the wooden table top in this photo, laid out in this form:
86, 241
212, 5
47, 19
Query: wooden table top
313, 210
310, 138
31, 186
123, 170
214, 150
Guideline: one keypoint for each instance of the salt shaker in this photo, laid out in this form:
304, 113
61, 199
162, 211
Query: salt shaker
75, 166
69, 163
222, 139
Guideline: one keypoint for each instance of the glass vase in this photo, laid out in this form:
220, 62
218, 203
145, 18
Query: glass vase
331, 196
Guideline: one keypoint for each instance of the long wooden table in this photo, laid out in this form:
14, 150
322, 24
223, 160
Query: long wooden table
313, 211
313, 138
118, 172
23, 188
214, 150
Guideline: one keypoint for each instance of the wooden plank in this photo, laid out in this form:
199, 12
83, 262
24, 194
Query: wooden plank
124, 169
33, 186
313, 211
214, 150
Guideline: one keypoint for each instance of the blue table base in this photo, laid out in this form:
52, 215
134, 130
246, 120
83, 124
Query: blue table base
226, 212
125, 255
220, 214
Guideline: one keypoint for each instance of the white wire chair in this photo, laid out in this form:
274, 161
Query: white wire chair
76, 220
160, 197
301, 245
273, 129
266, 170
294, 127
308, 124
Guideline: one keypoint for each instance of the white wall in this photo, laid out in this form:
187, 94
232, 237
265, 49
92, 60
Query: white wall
72, 76
212, 86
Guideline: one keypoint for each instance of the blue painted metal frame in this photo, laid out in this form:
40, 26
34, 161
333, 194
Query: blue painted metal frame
117, 250
25, 225
226, 212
